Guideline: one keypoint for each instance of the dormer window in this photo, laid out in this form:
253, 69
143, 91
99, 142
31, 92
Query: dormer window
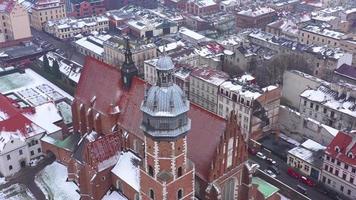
350, 155
337, 149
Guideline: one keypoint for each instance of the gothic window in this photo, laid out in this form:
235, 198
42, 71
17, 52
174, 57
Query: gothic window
229, 152
150, 170
179, 173
180, 194
152, 194
228, 190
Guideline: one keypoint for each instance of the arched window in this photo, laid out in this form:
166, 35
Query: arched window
150, 170
179, 173
152, 194
137, 196
180, 194
229, 190
337, 149
229, 152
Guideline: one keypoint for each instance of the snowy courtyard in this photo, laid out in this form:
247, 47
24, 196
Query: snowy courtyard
52, 181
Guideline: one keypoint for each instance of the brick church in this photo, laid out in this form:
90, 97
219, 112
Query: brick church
150, 142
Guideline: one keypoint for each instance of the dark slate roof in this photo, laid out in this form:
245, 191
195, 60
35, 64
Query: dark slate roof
347, 71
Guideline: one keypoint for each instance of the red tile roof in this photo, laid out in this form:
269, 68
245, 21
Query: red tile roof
346, 142
206, 126
14, 120
102, 81
103, 149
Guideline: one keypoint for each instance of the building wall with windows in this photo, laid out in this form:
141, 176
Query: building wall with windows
334, 108
43, 11
204, 85
339, 167
14, 22
114, 53
17, 153
320, 36
67, 28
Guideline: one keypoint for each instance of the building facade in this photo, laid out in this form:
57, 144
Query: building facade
67, 28
244, 97
45, 10
258, 18
204, 86
312, 34
339, 167
114, 49
15, 23
332, 105
81, 9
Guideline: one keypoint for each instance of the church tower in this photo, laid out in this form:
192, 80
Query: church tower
166, 173
128, 69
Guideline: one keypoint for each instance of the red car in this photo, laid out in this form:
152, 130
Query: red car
307, 181
292, 173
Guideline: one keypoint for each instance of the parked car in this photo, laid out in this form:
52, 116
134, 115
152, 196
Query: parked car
292, 173
270, 173
274, 169
260, 155
270, 161
307, 181
302, 189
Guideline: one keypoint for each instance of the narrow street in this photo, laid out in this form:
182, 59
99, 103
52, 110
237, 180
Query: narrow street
27, 178
64, 45
312, 192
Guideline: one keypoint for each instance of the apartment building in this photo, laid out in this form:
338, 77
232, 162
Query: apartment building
14, 22
114, 52
204, 86
322, 59
45, 10
256, 108
67, 28
92, 45
312, 34
84, 8
201, 7
307, 158
332, 104
339, 165
255, 18
19, 139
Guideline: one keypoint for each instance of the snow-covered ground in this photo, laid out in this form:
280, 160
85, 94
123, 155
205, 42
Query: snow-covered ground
52, 181
16, 192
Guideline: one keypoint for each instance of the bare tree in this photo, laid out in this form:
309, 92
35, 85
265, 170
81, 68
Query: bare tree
272, 72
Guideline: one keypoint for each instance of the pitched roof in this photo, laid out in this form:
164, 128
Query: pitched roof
99, 80
346, 142
347, 71
206, 127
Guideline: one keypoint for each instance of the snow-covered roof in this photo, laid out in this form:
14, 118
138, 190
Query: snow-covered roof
127, 169
331, 99
74, 23
91, 46
323, 31
302, 153
257, 12
113, 196
210, 75
312, 145
238, 88
203, 3
191, 34
45, 116
32, 87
